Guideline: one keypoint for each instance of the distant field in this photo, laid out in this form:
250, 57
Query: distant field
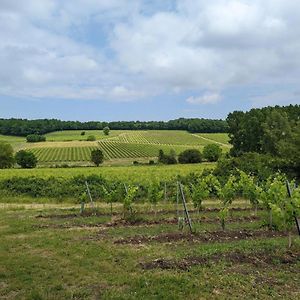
130, 174
70, 146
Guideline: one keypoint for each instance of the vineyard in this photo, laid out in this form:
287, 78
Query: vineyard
69, 147
134, 241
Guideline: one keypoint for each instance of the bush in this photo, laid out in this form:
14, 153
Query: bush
190, 156
6, 156
82, 133
212, 152
91, 138
167, 159
106, 130
26, 159
35, 138
97, 157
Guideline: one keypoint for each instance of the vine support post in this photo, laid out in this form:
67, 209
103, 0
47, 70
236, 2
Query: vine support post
89, 194
185, 208
294, 214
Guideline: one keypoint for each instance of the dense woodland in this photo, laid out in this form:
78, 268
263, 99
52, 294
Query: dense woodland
265, 140
24, 127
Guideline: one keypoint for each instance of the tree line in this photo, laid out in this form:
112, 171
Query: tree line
269, 136
24, 127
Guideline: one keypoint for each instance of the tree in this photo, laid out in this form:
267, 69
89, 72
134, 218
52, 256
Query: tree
26, 159
97, 157
190, 156
168, 159
35, 138
6, 156
106, 130
212, 152
91, 138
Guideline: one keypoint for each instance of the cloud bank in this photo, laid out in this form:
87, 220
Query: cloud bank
118, 50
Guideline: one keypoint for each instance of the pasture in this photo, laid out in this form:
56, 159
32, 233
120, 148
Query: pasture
54, 252
119, 147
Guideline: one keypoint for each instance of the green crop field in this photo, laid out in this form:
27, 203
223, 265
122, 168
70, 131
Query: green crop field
120, 146
130, 174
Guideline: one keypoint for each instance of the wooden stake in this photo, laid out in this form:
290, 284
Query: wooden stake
89, 194
185, 208
294, 213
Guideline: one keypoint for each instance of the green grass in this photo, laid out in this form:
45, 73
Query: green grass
75, 135
58, 258
11, 139
126, 173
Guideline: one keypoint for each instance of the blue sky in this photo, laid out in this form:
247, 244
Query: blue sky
147, 60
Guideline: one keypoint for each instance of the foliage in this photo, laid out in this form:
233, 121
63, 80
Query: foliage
106, 130
190, 156
167, 159
128, 200
35, 138
199, 192
247, 188
91, 138
223, 215
6, 156
155, 194
23, 127
26, 159
228, 192
97, 157
212, 152
271, 130
82, 133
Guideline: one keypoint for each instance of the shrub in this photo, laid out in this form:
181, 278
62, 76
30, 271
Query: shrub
212, 152
97, 157
82, 133
106, 130
91, 138
6, 155
35, 138
190, 156
26, 159
168, 159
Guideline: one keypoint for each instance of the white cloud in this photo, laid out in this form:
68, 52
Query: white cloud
146, 49
208, 98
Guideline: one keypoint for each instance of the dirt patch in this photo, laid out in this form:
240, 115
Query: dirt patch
237, 257
142, 222
206, 237
150, 213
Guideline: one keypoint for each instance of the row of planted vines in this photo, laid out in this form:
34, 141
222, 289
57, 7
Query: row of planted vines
63, 154
280, 210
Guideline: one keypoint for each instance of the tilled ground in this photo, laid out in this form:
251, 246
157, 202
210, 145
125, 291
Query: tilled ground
90, 213
144, 222
261, 258
206, 237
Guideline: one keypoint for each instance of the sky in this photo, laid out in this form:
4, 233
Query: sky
112, 60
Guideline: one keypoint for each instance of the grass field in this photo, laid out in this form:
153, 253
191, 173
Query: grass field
130, 174
51, 252
120, 147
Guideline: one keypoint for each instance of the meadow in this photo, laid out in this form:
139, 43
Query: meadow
119, 147
54, 252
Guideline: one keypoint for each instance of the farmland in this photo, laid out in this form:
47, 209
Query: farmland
51, 252
120, 147
130, 174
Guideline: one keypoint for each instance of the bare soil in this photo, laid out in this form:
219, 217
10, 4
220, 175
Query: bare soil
206, 237
261, 258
